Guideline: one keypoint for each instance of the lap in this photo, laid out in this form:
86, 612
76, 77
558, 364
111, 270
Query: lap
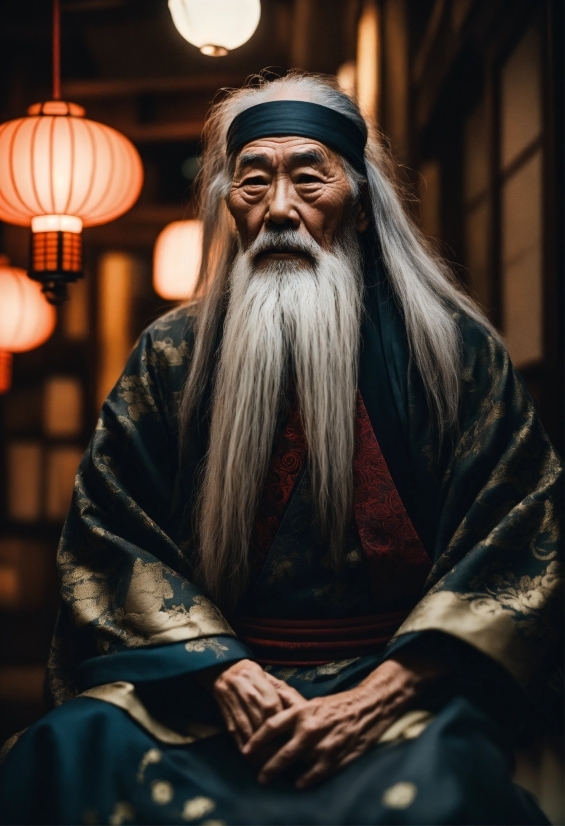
89, 762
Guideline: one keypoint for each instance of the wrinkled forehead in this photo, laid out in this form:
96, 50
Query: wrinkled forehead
287, 152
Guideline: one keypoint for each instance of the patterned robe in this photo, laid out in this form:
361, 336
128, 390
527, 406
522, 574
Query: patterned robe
477, 574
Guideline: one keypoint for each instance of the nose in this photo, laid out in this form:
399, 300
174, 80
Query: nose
281, 211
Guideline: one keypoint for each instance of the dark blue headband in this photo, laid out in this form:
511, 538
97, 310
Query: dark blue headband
278, 118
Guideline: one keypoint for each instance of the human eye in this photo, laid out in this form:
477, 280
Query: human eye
254, 181
307, 178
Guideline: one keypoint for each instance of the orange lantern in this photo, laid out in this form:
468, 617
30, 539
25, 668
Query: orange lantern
176, 260
60, 172
26, 319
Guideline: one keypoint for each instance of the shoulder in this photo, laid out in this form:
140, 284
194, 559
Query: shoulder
165, 346
492, 390
153, 377
484, 358
174, 327
480, 343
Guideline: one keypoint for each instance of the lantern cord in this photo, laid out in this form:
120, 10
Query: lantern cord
56, 49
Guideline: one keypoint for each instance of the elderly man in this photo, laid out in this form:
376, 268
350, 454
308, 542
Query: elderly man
310, 573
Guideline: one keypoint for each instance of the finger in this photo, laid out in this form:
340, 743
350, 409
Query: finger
248, 700
232, 728
235, 716
289, 695
255, 706
259, 702
283, 758
266, 699
316, 774
271, 728
323, 768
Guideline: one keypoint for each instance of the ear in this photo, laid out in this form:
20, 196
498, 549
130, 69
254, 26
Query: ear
362, 218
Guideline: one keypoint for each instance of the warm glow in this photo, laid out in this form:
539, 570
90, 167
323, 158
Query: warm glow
56, 223
215, 26
176, 261
58, 163
347, 77
116, 288
26, 319
5, 371
368, 60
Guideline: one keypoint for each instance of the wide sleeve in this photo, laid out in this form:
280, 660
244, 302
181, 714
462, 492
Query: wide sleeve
496, 583
129, 608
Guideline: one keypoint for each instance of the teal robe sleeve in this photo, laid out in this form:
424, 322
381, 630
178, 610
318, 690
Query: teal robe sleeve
124, 562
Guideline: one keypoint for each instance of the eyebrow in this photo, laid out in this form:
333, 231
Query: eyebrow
253, 159
308, 157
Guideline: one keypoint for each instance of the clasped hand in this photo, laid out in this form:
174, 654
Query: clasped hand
274, 726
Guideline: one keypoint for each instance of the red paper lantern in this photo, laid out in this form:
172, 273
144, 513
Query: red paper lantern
26, 319
59, 172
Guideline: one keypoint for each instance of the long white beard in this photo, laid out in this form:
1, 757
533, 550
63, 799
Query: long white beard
281, 316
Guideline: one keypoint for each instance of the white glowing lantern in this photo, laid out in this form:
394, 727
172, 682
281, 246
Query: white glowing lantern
176, 260
216, 26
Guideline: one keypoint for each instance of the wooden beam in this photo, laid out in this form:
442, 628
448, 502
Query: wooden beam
162, 132
83, 89
428, 40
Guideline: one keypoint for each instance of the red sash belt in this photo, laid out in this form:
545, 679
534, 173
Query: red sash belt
315, 642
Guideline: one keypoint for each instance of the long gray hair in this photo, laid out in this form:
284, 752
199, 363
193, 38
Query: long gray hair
239, 454
423, 285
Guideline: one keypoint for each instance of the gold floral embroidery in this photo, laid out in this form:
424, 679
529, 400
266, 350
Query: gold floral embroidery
174, 356
146, 615
497, 620
197, 807
400, 796
150, 757
199, 646
281, 673
137, 394
144, 618
525, 596
122, 811
407, 727
161, 792
330, 669
85, 590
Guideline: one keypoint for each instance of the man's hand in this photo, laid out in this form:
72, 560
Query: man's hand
248, 696
330, 732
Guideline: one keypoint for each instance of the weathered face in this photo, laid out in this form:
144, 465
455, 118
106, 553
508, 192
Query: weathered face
291, 183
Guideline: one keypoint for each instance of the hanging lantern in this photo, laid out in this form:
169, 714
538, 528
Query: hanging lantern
26, 319
60, 172
216, 26
176, 260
